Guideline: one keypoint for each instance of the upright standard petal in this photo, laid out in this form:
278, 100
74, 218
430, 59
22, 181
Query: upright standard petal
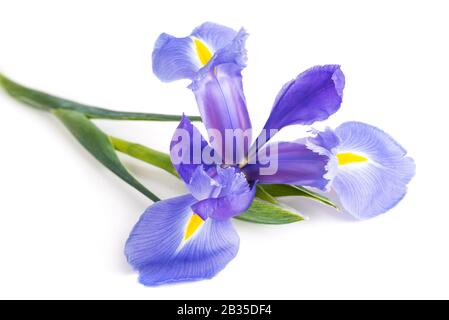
313, 96
213, 57
221, 101
373, 169
171, 244
187, 150
288, 163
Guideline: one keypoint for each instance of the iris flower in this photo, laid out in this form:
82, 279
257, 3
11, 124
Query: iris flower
369, 170
191, 237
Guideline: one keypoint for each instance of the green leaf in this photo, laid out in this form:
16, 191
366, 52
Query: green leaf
284, 190
267, 213
44, 101
264, 195
148, 155
99, 145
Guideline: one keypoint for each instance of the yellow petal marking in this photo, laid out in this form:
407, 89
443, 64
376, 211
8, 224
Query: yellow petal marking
202, 51
348, 158
194, 223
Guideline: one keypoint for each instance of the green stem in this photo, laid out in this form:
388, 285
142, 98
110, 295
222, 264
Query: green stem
148, 155
44, 101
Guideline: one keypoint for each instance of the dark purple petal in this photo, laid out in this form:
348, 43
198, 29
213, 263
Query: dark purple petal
291, 163
313, 96
222, 104
186, 150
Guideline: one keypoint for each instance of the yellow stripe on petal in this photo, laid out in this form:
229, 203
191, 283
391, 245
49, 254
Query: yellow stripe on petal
194, 223
203, 52
348, 158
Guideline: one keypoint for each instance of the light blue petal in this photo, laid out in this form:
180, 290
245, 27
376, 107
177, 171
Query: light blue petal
233, 53
203, 186
225, 207
232, 181
215, 36
370, 188
235, 196
174, 58
157, 250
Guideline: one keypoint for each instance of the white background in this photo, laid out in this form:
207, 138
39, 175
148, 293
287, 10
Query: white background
64, 218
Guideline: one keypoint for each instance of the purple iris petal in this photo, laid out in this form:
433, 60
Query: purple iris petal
288, 163
203, 186
158, 250
223, 109
173, 58
313, 96
186, 150
208, 181
215, 35
219, 94
224, 208
215, 70
235, 196
232, 181
326, 139
373, 170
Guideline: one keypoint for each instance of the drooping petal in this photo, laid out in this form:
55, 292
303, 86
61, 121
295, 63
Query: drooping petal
232, 52
175, 58
164, 249
313, 96
288, 163
214, 35
373, 170
187, 149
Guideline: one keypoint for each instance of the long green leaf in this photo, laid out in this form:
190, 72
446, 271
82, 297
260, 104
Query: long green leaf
148, 155
268, 213
99, 145
284, 190
264, 195
42, 100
